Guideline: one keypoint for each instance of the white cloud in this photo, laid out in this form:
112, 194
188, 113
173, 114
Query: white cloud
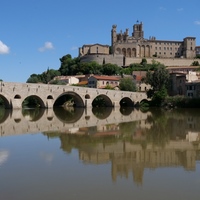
162, 8
3, 156
180, 9
4, 49
47, 46
197, 22
74, 48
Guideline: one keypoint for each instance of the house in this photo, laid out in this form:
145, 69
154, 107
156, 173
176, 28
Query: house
193, 89
103, 81
68, 80
197, 50
138, 79
177, 83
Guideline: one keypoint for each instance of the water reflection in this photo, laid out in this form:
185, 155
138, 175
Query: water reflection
130, 140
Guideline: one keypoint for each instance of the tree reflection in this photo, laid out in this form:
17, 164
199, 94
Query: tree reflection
33, 114
4, 113
70, 115
102, 112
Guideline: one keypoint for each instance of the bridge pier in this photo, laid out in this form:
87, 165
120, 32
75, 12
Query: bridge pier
115, 103
16, 104
88, 103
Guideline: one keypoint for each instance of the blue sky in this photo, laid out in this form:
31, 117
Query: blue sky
34, 34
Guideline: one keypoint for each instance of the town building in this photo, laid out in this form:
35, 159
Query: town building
68, 80
193, 89
94, 49
103, 81
197, 51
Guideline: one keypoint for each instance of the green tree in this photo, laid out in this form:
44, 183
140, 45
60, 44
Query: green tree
34, 78
159, 81
144, 61
110, 69
195, 63
69, 65
127, 84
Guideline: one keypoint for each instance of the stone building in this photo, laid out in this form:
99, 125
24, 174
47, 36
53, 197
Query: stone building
139, 47
103, 81
94, 49
197, 50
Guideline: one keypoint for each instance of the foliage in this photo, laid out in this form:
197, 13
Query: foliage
109, 87
99, 102
45, 77
159, 81
31, 102
144, 61
57, 82
182, 102
127, 84
110, 69
195, 63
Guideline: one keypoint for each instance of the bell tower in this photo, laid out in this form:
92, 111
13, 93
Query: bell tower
138, 31
113, 35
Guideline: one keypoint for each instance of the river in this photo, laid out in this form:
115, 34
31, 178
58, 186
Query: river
107, 153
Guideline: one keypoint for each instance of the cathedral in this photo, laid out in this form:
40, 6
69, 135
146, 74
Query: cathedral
136, 46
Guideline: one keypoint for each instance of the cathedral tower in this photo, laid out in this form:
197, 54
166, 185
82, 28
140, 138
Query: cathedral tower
138, 31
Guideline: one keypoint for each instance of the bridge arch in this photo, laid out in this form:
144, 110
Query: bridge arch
36, 100
17, 96
64, 97
126, 102
87, 96
102, 100
5, 102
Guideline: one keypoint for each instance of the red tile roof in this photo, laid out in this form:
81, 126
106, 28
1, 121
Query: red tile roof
111, 78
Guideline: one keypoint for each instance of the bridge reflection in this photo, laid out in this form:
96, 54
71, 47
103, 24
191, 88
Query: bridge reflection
130, 140
14, 122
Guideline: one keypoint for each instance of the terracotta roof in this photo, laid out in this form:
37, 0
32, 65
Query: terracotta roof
83, 83
182, 67
111, 78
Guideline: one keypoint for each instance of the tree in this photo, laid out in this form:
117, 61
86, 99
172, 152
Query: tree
159, 81
127, 84
34, 78
110, 69
144, 61
195, 63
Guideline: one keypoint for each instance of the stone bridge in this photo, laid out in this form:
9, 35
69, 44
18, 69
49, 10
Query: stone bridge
13, 95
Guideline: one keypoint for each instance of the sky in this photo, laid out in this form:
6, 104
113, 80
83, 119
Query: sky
35, 34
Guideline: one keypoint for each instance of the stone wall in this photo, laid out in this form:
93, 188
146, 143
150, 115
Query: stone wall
119, 60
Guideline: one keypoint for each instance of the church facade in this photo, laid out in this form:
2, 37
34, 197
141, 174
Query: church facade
136, 46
